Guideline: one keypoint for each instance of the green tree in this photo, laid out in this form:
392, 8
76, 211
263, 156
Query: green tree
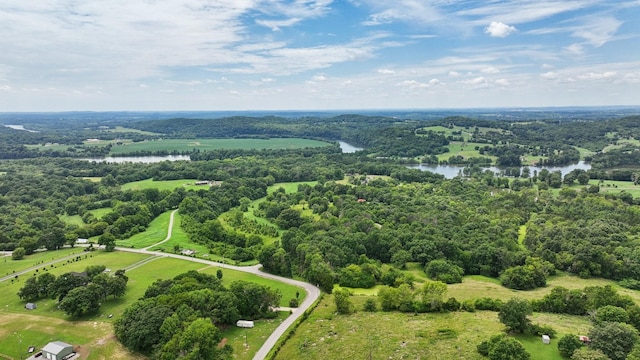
508, 349
615, 340
30, 291
198, 341
219, 274
586, 353
568, 344
18, 253
139, 327
610, 313
343, 302
513, 314
81, 300
432, 294
443, 270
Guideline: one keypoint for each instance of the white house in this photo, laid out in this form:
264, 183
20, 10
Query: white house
56, 350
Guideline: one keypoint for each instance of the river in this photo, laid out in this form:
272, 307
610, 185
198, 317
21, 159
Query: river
348, 148
451, 171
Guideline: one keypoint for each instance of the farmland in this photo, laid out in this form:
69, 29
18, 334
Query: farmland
186, 145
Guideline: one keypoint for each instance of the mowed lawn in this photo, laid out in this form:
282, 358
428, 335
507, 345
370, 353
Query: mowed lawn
155, 232
326, 335
214, 144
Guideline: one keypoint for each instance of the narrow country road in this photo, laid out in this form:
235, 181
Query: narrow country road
312, 293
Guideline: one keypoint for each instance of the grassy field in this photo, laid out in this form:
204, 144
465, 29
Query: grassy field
213, 144
472, 286
163, 185
610, 186
8, 266
72, 219
466, 150
155, 232
120, 129
99, 213
394, 335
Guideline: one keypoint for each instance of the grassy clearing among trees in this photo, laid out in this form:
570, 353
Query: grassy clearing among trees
394, 335
163, 185
155, 232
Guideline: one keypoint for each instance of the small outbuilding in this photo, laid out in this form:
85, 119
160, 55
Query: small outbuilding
30, 306
546, 339
244, 323
56, 350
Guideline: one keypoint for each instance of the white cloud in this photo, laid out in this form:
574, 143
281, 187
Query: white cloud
388, 11
386, 71
275, 25
454, 74
596, 76
575, 49
597, 30
498, 29
475, 81
547, 66
523, 11
319, 78
551, 75
414, 84
502, 82
490, 70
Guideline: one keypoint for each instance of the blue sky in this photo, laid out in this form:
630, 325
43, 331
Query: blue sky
58, 55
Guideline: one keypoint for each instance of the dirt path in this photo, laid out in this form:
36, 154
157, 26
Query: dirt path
169, 231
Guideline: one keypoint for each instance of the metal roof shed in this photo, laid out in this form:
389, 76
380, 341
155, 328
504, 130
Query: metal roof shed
56, 350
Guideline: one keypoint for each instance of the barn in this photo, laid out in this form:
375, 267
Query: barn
56, 350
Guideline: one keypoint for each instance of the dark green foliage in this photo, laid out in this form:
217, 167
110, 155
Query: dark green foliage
354, 276
442, 270
451, 305
513, 315
344, 305
293, 303
615, 340
610, 313
18, 253
501, 347
488, 304
370, 305
539, 330
568, 344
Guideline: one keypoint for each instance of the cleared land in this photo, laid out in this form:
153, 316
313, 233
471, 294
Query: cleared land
188, 184
155, 232
213, 144
394, 335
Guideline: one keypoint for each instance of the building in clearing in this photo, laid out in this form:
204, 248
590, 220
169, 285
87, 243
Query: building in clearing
546, 339
56, 350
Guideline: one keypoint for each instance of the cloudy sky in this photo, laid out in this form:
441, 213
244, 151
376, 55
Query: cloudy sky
317, 54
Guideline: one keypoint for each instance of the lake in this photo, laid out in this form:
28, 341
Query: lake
348, 148
451, 171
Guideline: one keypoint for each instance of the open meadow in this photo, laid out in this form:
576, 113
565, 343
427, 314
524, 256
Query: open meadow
394, 335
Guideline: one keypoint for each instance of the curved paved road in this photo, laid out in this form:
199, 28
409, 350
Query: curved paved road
312, 291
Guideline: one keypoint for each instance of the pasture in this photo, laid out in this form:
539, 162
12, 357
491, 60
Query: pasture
393, 335
187, 145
